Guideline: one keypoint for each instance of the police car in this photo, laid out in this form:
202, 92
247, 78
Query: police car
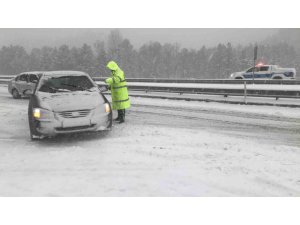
262, 71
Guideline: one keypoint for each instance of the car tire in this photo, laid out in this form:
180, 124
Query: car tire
277, 78
110, 121
34, 135
16, 94
238, 78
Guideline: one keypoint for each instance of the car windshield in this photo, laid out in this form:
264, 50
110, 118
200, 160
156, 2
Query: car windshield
251, 69
65, 84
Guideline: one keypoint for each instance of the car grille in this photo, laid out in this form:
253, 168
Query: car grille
74, 128
75, 114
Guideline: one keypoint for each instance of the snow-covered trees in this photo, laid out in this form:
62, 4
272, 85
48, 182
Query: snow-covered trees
151, 60
13, 59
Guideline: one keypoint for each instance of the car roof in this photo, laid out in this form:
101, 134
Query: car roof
64, 73
267, 65
32, 72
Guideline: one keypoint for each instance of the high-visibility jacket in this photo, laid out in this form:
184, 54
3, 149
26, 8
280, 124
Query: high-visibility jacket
117, 84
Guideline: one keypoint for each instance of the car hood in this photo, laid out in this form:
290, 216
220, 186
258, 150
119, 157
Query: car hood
233, 75
68, 101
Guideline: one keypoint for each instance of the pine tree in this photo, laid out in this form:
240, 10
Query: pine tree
101, 59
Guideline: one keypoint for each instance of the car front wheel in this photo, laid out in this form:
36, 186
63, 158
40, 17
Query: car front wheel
15, 94
34, 135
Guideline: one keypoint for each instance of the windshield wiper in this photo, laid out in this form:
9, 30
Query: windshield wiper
75, 86
52, 89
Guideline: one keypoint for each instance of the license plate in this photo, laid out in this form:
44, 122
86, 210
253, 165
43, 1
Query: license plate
76, 122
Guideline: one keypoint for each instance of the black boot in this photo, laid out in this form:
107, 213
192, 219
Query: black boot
119, 115
122, 116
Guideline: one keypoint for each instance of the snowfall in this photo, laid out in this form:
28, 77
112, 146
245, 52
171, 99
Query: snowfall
165, 148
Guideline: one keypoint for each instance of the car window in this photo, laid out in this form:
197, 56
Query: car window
23, 77
264, 68
32, 78
251, 69
65, 83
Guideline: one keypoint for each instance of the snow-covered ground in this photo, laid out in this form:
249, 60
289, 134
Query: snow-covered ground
220, 98
165, 148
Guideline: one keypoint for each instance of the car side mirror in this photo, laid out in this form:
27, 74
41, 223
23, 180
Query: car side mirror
28, 92
102, 88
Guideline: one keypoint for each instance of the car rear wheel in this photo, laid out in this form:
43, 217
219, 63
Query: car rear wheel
16, 94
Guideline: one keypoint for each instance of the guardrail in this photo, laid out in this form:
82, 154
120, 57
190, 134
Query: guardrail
207, 81
241, 90
220, 91
7, 76
196, 81
4, 81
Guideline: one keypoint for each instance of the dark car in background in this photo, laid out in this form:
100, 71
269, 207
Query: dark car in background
19, 85
67, 102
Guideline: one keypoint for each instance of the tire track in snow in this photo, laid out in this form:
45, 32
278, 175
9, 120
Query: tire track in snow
242, 125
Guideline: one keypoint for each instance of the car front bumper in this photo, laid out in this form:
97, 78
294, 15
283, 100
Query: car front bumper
59, 125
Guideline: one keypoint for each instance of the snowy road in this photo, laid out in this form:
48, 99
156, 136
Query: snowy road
165, 148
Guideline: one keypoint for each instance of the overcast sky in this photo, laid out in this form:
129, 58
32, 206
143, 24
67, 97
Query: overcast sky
186, 37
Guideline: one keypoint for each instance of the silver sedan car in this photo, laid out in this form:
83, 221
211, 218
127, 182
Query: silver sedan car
23, 82
67, 102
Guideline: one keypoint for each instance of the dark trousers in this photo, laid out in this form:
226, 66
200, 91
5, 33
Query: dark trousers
121, 114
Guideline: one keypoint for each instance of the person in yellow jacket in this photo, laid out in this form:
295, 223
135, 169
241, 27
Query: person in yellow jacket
119, 92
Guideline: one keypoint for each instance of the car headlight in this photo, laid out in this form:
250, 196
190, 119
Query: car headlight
100, 109
107, 108
37, 113
232, 75
41, 114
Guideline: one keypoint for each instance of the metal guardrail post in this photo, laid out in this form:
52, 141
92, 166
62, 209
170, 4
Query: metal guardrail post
245, 93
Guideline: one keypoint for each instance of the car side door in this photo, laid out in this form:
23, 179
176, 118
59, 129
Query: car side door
249, 73
32, 81
264, 72
27, 85
21, 83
